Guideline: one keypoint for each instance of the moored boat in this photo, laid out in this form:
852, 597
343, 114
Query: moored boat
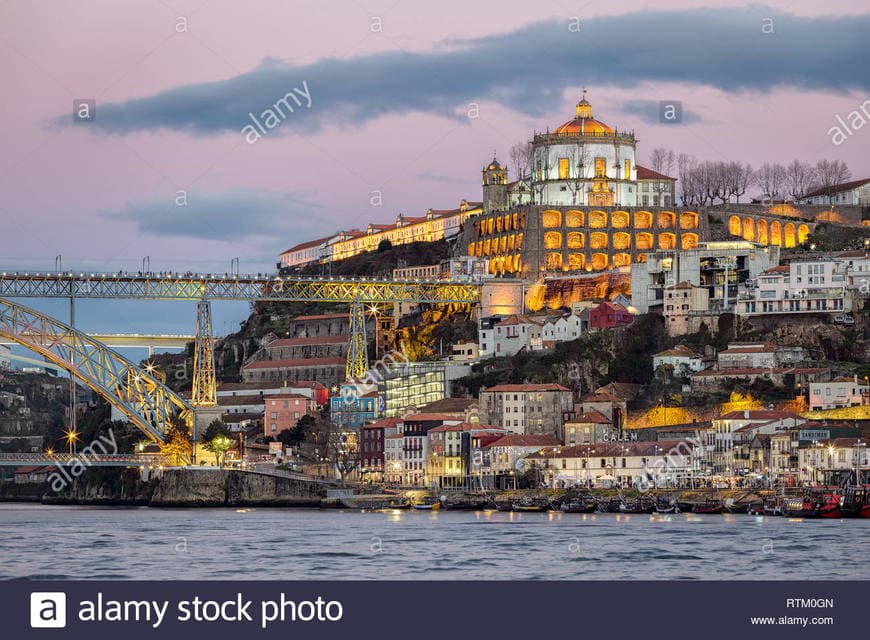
772, 505
582, 505
531, 504
610, 505
856, 501
643, 504
667, 505
815, 503
710, 506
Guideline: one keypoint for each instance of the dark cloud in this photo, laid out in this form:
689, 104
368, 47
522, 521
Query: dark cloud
233, 216
649, 111
526, 70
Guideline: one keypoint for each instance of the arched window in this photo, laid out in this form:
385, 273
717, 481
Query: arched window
552, 219
667, 241
576, 240
619, 219
597, 219
749, 229
761, 231
688, 220
598, 240
552, 240
574, 219
621, 240
667, 220
734, 226
643, 220
689, 240
776, 233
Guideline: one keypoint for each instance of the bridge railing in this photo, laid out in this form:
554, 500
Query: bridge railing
64, 458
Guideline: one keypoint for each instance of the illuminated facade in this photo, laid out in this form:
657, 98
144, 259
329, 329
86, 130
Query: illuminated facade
436, 224
585, 206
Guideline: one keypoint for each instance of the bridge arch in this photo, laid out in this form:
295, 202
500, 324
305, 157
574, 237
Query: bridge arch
141, 397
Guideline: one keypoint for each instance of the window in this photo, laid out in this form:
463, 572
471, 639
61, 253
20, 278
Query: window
628, 169
564, 168
599, 167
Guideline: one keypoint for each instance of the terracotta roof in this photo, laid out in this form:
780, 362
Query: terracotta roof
314, 340
549, 386
255, 386
322, 316
241, 400
449, 405
515, 319
429, 417
308, 245
783, 268
676, 352
685, 284
595, 417
601, 397
614, 449
648, 174
837, 188
520, 440
384, 423
289, 364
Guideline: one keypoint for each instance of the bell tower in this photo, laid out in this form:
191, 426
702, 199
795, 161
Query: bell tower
495, 196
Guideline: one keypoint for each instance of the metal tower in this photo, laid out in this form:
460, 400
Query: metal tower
204, 392
357, 354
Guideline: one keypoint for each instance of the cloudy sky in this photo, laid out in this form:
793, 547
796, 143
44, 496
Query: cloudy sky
383, 94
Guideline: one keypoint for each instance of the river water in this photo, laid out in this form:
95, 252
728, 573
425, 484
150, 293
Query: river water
57, 542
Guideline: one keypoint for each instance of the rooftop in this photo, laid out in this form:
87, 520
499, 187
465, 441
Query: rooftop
525, 388
837, 188
288, 364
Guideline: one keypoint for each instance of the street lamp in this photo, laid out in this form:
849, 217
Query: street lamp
71, 436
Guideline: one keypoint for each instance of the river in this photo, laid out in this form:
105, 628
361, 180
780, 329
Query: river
59, 542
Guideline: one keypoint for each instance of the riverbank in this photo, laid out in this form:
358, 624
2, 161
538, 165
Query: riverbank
185, 487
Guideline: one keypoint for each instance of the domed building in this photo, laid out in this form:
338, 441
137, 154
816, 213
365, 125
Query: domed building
582, 205
584, 162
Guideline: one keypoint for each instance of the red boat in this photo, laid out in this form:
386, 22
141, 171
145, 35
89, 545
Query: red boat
856, 502
815, 503
711, 505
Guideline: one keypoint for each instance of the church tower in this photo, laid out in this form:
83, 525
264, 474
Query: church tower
495, 194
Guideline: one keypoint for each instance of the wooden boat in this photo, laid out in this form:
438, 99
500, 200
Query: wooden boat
755, 508
432, 504
710, 505
665, 505
731, 506
610, 505
815, 503
531, 504
856, 501
772, 505
582, 505
467, 505
685, 507
641, 505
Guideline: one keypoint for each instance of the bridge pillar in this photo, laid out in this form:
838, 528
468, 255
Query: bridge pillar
357, 353
204, 391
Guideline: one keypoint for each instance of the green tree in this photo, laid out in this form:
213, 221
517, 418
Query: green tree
219, 445
216, 428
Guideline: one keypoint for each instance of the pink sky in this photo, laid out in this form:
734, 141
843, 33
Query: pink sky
58, 184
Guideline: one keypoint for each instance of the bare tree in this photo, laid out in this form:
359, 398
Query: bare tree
771, 178
661, 161
799, 178
579, 160
521, 162
688, 188
740, 176
830, 173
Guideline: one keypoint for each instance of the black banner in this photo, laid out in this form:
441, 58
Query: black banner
459, 609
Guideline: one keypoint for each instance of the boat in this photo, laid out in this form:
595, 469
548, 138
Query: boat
815, 503
585, 504
710, 505
732, 506
467, 505
531, 504
755, 508
856, 501
610, 505
430, 504
772, 505
643, 504
685, 507
667, 505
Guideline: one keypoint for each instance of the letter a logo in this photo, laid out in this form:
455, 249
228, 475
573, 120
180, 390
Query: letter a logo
48, 610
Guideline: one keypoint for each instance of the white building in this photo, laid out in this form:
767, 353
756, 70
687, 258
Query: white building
730, 428
635, 464
683, 302
393, 458
507, 336
681, 358
563, 328
856, 192
748, 355
710, 266
802, 286
527, 408
583, 162
839, 392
